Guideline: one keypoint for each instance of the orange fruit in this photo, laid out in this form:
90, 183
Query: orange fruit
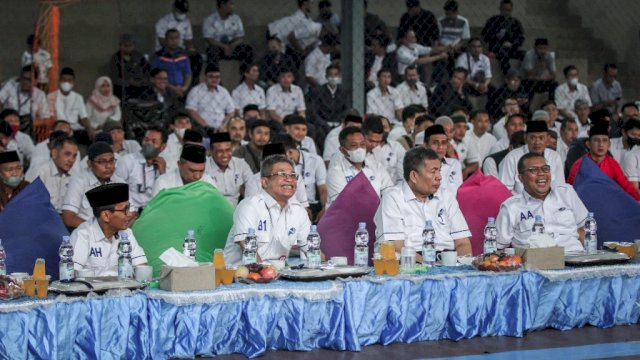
254, 276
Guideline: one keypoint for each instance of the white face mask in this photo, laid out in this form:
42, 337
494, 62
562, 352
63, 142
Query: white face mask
179, 16
66, 86
180, 132
574, 81
357, 155
335, 81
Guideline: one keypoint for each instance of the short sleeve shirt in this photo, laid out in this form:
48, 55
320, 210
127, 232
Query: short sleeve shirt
141, 177
384, 104
169, 22
212, 105
509, 169
242, 96
341, 172
230, 180
224, 30
285, 102
631, 164
172, 179
76, 201
312, 170
93, 251
401, 216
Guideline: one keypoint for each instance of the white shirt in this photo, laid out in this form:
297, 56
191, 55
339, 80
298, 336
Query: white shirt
473, 66
500, 145
141, 177
98, 118
54, 180
42, 154
304, 29
285, 102
242, 96
70, 107
509, 168
224, 30
254, 187
313, 173
172, 179
75, 199
308, 145
562, 149
498, 130
583, 129
401, 216
33, 103
617, 149
230, 180
409, 96
451, 172
341, 172
23, 145
315, 65
172, 152
566, 99
407, 55
482, 145
490, 168
464, 155
391, 155
169, 22
384, 104
211, 104
562, 210
331, 143
373, 73
396, 133
93, 251
631, 164
276, 229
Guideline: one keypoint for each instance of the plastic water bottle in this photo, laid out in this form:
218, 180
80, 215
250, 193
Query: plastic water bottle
250, 247
538, 225
66, 260
189, 245
125, 267
490, 236
590, 236
361, 251
428, 244
313, 242
3, 260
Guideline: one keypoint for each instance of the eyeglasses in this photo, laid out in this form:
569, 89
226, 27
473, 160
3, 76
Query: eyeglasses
539, 170
284, 175
125, 210
105, 162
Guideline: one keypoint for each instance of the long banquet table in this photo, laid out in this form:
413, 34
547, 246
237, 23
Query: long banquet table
446, 303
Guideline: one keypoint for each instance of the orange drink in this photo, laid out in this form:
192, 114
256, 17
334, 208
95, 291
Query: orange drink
627, 248
388, 250
226, 276
39, 270
378, 266
42, 287
29, 286
392, 267
218, 259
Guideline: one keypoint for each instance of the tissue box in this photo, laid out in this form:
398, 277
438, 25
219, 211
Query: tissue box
550, 258
200, 277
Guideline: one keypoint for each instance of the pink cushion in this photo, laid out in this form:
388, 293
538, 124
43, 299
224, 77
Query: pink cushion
480, 197
358, 202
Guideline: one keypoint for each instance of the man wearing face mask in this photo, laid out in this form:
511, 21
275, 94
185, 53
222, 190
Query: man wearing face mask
411, 90
630, 138
140, 170
180, 123
388, 154
631, 158
315, 64
536, 138
572, 90
191, 168
11, 177
69, 105
328, 103
351, 160
15, 139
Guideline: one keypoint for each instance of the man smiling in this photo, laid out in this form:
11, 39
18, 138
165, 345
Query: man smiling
561, 208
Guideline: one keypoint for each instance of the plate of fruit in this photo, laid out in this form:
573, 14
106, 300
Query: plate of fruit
256, 273
498, 262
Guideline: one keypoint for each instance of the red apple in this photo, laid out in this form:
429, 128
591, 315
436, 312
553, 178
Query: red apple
269, 273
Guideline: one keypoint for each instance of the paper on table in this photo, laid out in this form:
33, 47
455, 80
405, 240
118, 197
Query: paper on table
173, 257
541, 241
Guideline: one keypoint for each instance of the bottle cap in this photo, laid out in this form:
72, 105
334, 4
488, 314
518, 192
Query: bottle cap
362, 225
65, 238
252, 231
429, 223
491, 219
124, 235
189, 232
314, 228
589, 214
538, 218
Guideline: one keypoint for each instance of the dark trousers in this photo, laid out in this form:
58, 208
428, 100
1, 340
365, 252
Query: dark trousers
536, 86
242, 53
503, 55
195, 60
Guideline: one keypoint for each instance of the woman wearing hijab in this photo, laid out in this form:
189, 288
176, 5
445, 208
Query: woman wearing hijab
102, 104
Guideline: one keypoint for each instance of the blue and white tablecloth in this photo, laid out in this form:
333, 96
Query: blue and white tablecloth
446, 303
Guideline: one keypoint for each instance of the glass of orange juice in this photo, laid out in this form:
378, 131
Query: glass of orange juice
29, 285
388, 250
218, 259
42, 287
39, 269
392, 267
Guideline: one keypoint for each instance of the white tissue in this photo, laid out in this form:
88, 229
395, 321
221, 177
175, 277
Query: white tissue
173, 257
541, 241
